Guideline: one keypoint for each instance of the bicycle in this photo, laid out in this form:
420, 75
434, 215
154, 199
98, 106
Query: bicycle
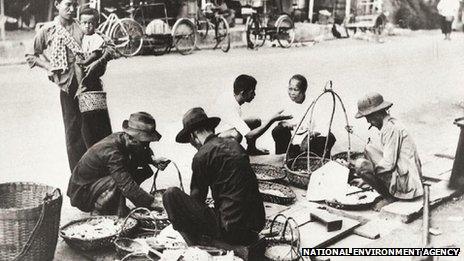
259, 27
207, 21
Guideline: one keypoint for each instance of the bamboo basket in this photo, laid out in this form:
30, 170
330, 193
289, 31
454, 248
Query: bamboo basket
286, 199
285, 245
92, 101
299, 169
29, 221
265, 172
98, 242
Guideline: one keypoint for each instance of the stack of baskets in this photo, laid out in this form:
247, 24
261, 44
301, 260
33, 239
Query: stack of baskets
29, 221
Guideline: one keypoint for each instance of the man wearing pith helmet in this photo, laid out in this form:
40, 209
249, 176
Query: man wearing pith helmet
113, 169
223, 166
394, 169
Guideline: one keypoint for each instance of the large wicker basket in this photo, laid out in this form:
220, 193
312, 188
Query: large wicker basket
29, 221
92, 101
268, 191
266, 172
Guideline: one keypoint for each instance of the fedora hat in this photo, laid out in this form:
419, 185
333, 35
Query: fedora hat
192, 120
371, 103
142, 126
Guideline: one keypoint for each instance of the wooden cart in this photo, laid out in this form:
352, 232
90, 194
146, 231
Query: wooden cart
367, 16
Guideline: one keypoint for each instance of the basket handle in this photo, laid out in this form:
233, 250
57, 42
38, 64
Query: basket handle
142, 254
293, 239
140, 209
46, 200
274, 220
179, 175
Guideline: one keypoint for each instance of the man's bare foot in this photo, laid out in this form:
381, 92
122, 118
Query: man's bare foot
382, 203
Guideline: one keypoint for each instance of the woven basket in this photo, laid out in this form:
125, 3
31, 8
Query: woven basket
266, 172
92, 101
94, 243
297, 174
286, 199
29, 221
286, 244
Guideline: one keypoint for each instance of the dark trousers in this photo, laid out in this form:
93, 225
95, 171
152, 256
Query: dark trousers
282, 136
198, 223
81, 130
445, 25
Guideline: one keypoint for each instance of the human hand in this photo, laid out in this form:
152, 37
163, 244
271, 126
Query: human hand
161, 163
279, 116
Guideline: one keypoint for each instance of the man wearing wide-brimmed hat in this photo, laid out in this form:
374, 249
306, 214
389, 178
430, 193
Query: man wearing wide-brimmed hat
394, 170
222, 165
112, 169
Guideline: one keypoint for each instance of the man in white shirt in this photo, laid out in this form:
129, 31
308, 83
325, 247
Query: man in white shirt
228, 108
297, 106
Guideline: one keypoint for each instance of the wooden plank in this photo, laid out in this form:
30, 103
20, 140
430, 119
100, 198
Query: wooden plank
435, 168
407, 211
314, 234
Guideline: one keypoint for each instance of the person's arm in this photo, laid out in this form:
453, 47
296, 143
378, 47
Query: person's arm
198, 185
34, 56
95, 55
256, 133
392, 141
124, 182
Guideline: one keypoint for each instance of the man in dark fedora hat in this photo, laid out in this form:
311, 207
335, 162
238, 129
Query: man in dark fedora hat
222, 165
394, 169
113, 169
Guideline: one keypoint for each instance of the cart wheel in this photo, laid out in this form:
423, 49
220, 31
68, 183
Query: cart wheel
255, 35
379, 25
128, 37
222, 35
285, 31
183, 36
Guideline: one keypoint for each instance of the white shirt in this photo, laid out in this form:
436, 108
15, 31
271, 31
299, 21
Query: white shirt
230, 112
91, 43
448, 7
297, 110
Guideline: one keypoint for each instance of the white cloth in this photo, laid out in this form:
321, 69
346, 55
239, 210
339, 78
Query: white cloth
230, 112
91, 43
448, 7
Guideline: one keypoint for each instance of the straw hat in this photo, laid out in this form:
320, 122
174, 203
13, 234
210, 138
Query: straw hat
371, 103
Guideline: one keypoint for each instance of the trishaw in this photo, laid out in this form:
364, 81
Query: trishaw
261, 24
141, 27
367, 16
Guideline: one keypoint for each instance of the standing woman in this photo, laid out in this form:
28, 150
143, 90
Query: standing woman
56, 46
448, 9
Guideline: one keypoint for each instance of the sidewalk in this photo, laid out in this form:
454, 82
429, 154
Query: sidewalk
12, 50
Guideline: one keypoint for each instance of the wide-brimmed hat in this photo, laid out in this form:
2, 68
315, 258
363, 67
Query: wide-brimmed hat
371, 103
142, 126
192, 120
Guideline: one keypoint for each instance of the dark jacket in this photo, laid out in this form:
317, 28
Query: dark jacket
110, 157
224, 166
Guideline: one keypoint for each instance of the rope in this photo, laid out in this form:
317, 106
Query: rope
47, 199
155, 176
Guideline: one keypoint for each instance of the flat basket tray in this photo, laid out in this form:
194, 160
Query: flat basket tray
276, 193
103, 241
265, 172
359, 201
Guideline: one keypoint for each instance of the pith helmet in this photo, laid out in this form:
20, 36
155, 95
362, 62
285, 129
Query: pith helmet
371, 103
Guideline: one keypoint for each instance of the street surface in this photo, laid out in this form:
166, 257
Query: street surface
419, 73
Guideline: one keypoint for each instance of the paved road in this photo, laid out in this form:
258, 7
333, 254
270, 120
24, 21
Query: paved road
420, 74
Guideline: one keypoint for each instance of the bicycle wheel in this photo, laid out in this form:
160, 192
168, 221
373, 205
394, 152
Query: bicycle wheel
203, 27
222, 35
285, 31
183, 36
128, 36
254, 34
